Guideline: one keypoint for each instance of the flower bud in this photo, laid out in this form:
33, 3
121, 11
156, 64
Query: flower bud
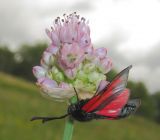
64, 85
90, 67
57, 75
71, 73
101, 52
105, 65
47, 84
96, 77
55, 39
52, 49
82, 75
38, 71
47, 58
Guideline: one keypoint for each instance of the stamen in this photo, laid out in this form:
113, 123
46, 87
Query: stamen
77, 16
56, 20
52, 28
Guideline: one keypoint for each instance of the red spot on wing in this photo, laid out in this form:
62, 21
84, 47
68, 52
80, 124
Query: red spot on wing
113, 109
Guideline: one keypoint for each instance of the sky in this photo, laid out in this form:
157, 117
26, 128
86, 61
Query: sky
129, 29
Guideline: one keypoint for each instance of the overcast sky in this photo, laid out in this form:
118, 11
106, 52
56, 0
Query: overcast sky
130, 29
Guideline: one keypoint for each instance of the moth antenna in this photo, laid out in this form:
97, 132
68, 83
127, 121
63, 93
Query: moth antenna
76, 93
45, 119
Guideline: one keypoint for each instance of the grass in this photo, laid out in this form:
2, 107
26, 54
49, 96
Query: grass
20, 100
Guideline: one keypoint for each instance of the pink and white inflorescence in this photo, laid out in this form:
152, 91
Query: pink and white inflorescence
71, 61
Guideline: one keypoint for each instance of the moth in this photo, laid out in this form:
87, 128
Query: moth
110, 103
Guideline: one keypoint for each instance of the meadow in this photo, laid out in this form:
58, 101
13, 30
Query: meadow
20, 100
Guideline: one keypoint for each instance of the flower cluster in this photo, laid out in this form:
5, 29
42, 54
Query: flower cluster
71, 61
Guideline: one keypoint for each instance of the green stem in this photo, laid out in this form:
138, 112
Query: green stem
69, 125
68, 129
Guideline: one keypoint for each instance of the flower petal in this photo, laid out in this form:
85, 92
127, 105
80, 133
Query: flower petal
59, 93
47, 58
102, 85
71, 73
101, 52
52, 49
55, 39
50, 89
85, 40
38, 71
48, 33
64, 85
105, 65
70, 56
47, 83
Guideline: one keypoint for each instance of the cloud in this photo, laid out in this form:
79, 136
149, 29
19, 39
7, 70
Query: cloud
112, 44
82, 6
152, 58
18, 23
146, 68
25, 21
128, 34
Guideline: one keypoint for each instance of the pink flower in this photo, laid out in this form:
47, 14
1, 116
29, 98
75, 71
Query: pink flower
71, 61
70, 29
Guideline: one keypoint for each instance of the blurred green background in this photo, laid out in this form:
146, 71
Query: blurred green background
129, 29
20, 99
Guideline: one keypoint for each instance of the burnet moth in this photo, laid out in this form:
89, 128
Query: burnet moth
110, 103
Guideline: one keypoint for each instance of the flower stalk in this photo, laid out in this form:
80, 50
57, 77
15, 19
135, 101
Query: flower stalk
69, 125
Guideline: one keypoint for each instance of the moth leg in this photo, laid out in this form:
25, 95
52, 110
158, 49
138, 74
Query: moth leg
45, 119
